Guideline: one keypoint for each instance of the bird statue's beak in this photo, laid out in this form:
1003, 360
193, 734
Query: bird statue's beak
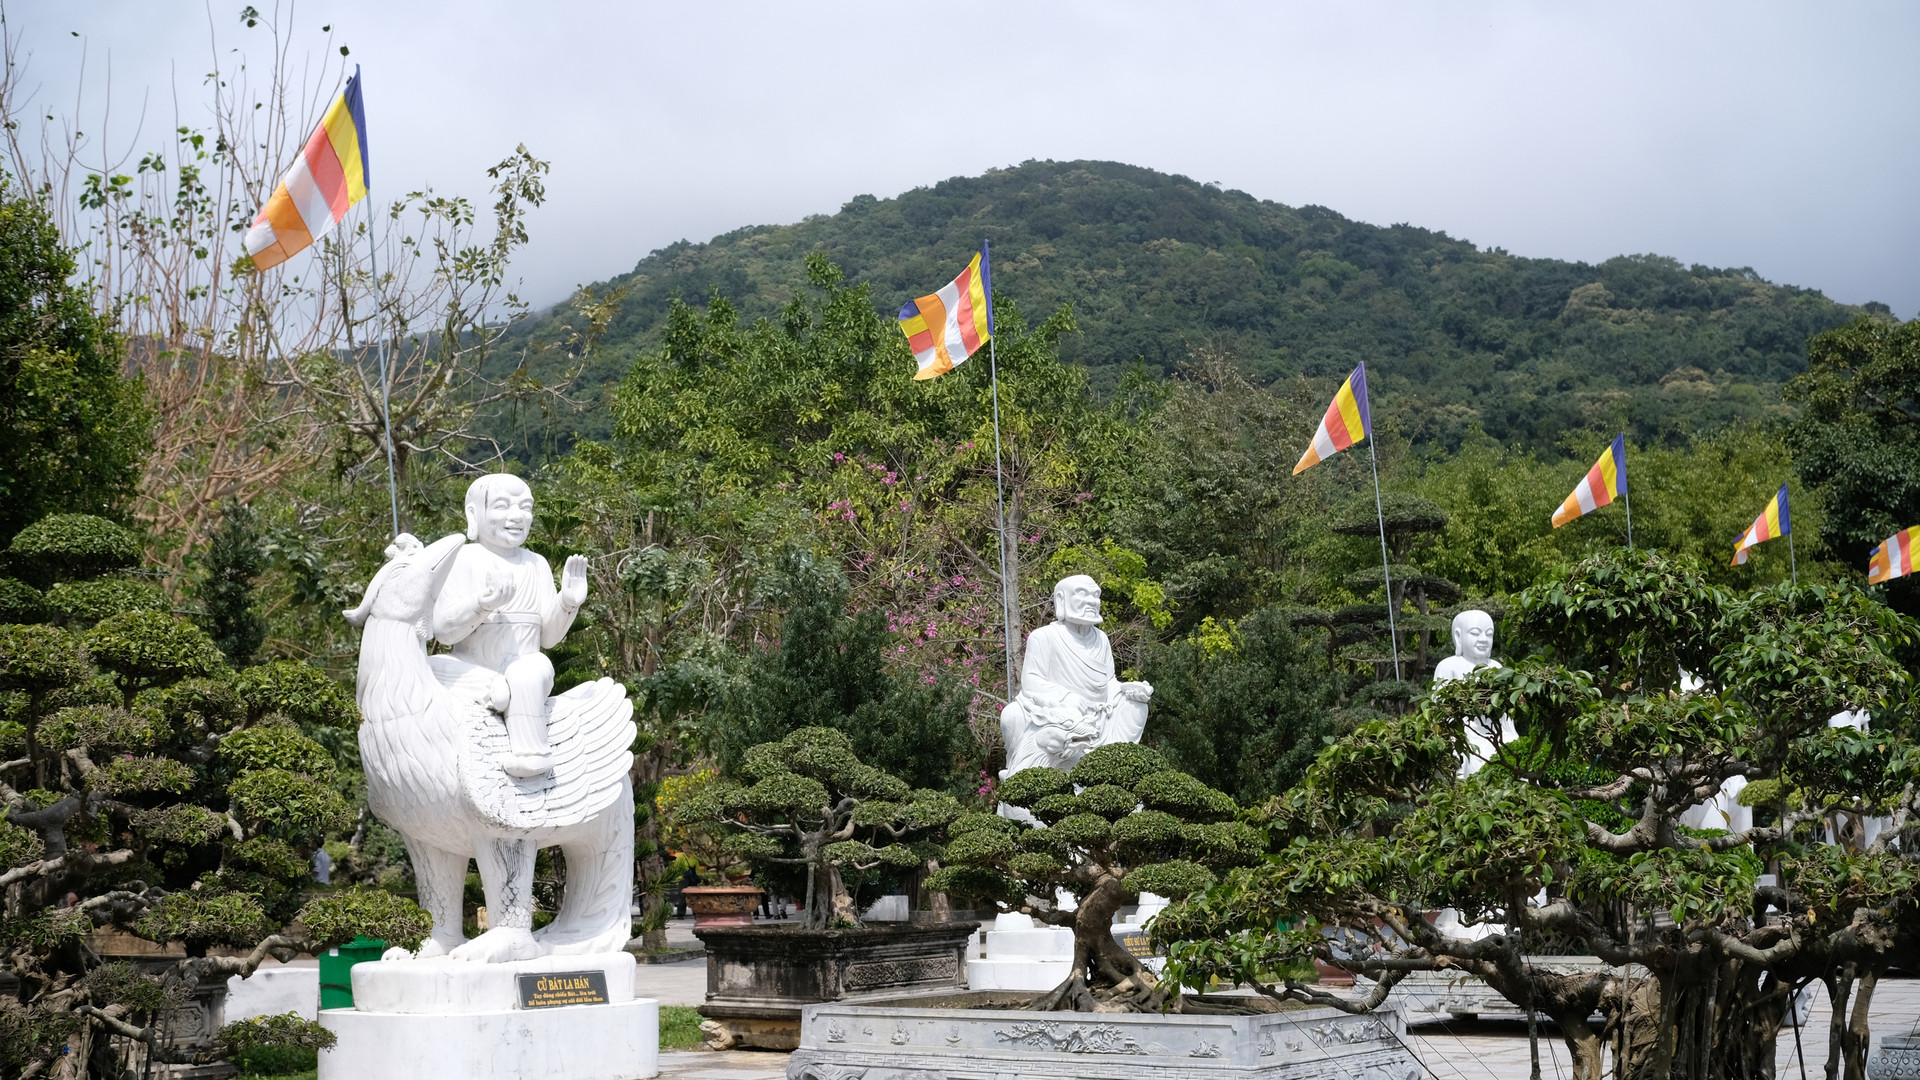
439, 558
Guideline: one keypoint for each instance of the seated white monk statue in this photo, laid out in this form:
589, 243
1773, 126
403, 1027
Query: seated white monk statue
499, 609
1473, 650
1070, 699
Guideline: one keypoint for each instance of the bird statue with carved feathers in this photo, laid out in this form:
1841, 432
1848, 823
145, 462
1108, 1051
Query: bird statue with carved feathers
434, 745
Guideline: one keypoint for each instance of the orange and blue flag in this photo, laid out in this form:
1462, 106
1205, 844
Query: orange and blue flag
1346, 422
946, 327
326, 180
1772, 524
1894, 557
1605, 482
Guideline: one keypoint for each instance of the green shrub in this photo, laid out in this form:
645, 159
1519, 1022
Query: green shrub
21, 602
299, 692
87, 602
65, 547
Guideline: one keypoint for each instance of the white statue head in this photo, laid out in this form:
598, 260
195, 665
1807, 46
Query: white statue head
499, 511
1473, 636
1076, 600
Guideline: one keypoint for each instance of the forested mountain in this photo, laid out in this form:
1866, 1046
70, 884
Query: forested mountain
1160, 269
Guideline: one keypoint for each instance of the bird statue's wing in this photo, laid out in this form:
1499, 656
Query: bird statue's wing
591, 731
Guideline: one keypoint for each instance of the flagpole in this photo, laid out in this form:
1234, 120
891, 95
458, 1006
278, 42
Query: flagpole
1792, 561
386, 412
1386, 575
1000, 494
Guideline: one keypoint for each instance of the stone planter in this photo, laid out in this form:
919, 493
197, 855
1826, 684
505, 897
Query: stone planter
723, 905
759, 978
895, 1041
1897, 1058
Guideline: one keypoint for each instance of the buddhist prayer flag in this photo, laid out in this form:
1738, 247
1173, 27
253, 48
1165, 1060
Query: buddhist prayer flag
1605, 482
1772, 524
1894, 557
945, 328
326, 180
1346, 422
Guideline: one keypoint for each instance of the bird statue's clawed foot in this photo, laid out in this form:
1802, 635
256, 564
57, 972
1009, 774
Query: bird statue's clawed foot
527, 766
500, 944
433, 947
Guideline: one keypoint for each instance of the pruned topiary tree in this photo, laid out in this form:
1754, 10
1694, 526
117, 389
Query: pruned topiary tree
1120, 824
148, 787
807, 801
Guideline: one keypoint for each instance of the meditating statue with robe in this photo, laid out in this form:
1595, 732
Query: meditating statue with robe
1070, 698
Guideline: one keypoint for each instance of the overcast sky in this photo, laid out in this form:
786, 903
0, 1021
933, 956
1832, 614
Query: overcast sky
1781, 137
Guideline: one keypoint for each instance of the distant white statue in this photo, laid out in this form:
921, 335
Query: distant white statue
466, 756
1070, 698
1473, 650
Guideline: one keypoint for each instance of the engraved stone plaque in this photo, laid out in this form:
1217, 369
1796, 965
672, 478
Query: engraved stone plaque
563, 988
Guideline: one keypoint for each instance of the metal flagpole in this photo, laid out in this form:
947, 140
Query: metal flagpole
1000, 493
1386, 574
1792, 561
386, 413
1626, 491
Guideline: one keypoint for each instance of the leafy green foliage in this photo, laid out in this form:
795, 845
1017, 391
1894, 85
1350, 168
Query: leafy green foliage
282, 1030
203, 918
21, 602
1586, 805
72, 547
87, 602
337, 918
1855, 435
1292, 291
142, 649
276, 748
1244, 713
74, 426
141, 775
299, 692
39, 659
813, 803
1135, 825
828, 671
234, 559
284, 803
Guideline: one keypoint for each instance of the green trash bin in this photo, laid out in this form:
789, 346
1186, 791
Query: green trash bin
336, 967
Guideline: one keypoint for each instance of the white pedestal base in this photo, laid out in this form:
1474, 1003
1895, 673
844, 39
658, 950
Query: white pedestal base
444, 1017
620, 1041
273, 989
1021, 955
1017, 974
446, 985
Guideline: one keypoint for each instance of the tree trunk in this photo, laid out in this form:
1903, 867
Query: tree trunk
1859, 1036
827, 899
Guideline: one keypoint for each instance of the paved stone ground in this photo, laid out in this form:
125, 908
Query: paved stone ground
1497, 1050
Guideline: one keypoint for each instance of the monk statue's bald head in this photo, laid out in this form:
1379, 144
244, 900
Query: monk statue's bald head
1076, 600
499, 510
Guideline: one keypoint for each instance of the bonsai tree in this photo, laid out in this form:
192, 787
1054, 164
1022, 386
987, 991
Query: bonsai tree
1575, 828
691, 832
1119, 824
148, 787
809, 802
